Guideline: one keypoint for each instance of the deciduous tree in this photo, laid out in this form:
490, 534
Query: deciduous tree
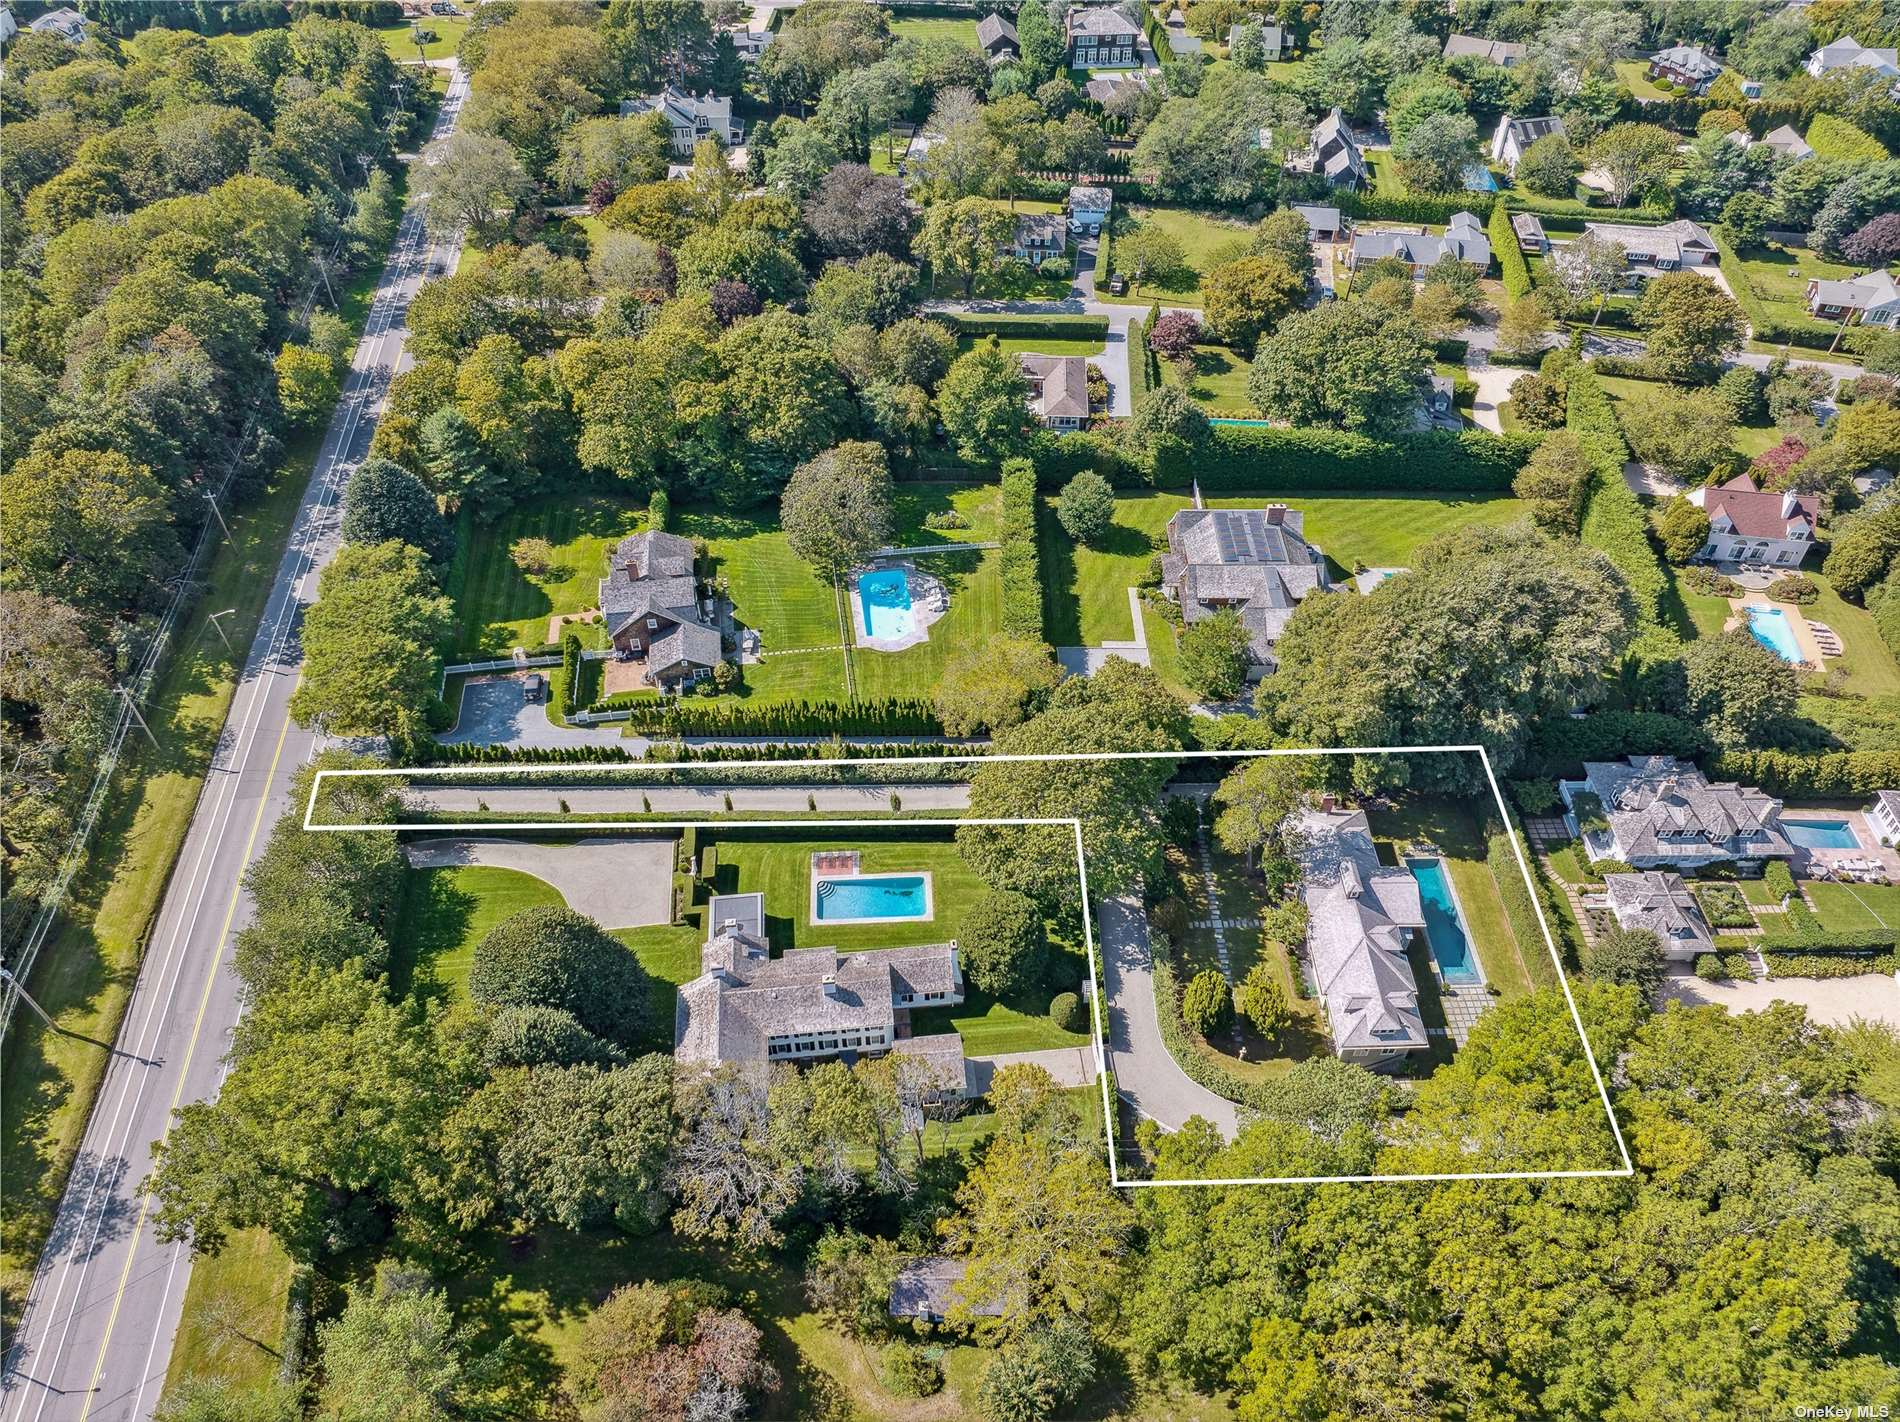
1003, 945
1347, 364
836, 510
1215, 655
994, 687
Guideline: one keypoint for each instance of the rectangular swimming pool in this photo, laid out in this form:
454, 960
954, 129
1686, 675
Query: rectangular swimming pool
1773, 630
1444, 928
1821, 834
884, 599
870, 898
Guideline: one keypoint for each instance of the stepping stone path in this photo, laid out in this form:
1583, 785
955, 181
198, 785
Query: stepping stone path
1217, 923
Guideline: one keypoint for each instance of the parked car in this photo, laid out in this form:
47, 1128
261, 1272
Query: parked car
535, 688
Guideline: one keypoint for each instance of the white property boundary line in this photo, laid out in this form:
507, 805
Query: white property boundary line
1628, 1167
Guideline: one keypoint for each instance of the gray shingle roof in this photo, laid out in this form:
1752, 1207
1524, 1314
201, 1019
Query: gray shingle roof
927, 1287
992, 30
1660, 807
689, 644
1688, 59
1253, 560
1466, 241
1495, 51
1360, 914
1100, 20
1064, 385
651, 573
1661, 903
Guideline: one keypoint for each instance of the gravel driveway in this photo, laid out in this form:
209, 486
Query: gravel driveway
619, 882
495, 712
1834, 1001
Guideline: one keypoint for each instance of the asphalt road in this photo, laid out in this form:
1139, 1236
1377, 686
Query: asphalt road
96, 1336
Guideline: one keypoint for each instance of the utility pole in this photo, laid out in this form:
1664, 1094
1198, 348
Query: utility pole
7, 979
133, 707
216, 627
218, 513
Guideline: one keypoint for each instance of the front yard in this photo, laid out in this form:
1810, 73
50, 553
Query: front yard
1085, 589
1780, 275
1202, 235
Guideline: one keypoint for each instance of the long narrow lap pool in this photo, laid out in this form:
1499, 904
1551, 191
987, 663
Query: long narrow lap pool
1444, 928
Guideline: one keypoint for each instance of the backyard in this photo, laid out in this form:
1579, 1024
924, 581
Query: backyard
1085, 589
1202, 235
1780, 275
1216, 377
799, 616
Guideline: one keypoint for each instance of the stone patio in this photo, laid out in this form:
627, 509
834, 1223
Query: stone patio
617, 676
1463, 1007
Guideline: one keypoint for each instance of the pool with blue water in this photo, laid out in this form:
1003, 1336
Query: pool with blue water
1773, 630
1821, 834
884, 600
871, 898
1444, 927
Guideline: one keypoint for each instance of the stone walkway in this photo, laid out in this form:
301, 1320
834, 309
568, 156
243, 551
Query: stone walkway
1086, 661
1069, 1066
1462, 1008
1216, 923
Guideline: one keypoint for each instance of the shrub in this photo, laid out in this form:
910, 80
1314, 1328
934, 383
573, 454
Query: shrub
533, 1035
906, 1370
893, 716
1683, 530
1262, 1001
1215, 653
552, 957
1778, 879
1534, 797
1795, 588
1066, 328
1736, 965
570, 674
1018, 559
1613, 520
1055, 269
1809, 965
1710, 968
1833, 137
1003, 944
534, 556
1263, 457
1501, 859
1086, 507
1629, 956
1207, 1005
1065, 1011
1513, 270
1724, 907
1700, 577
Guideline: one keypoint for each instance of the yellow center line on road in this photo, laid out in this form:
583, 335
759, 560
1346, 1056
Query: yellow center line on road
184, 1069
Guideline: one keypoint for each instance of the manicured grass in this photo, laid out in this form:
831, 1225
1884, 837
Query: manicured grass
931, 27
974, 582
233, 1318
1756, 893
1034, 345
1634, 75
1200, 234
1216, 377
1567, 860
1780, 275
397, 38
1867, 659
1856, 906
497, 606
87, 969
1456, 829
1085, 597
446, 912
780, 868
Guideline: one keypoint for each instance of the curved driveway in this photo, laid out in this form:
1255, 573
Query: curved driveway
1146, 1074
617, 882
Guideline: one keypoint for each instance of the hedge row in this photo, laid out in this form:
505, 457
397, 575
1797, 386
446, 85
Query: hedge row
1523, 913
1268, 457
1174, 1035
1571, 209
893, 716
1833, 137
570, 674
1630, 368
1513, 270
1068, 328
1613, 521
1833, 775
1411, 207
1562, 744
1810, 965
1814, 335
1823, 940
1018, 558
1141, 360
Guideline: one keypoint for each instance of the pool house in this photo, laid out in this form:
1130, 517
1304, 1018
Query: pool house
812, 1003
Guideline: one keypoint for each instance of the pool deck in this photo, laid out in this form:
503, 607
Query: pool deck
926, 592
1797, 622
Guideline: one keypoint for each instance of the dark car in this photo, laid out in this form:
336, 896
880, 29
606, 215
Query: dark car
535, 688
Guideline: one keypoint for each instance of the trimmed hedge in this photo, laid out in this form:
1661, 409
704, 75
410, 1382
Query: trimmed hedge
1174, 1034
1067, 328
1018, 558
1141, 361
1833, 775
1810, 965
1613, 521
1513, 270
1268, 457
1519, 200
1823, 940
570, 674
663, 753
1834, 137
1411, 207
1563, 743
1519, 909
895, 716
1813, 335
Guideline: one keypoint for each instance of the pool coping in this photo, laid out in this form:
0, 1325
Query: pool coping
930, 898
1464, 923
1841, 818
923, 616
1797, 621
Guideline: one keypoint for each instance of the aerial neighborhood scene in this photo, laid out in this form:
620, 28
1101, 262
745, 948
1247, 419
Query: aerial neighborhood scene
995, 709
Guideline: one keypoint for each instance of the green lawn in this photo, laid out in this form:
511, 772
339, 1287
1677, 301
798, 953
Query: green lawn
1456, 828
1085, 597
1034, 345
931, 27
1216, 378
1634, 76
1568, 861
780, 868
397, 38
1201, 235
1780, 277
1867, 659
1856, 906
446, 912
233, 1318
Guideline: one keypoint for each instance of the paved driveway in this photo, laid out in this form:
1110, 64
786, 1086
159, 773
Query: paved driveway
495, 712
619, 882
1145, 1073
1835, 1001
1069, 1066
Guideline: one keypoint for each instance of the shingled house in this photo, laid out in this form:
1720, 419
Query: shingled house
1662, 904
1255, 562
1657, 812
650, 600
1750, 524
1360, 915
1331, 152
811, 1003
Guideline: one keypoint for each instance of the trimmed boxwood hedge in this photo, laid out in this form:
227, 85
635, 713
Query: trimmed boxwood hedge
1820, 965
1514, 271
1267, 457
895, 716
1816, 939
1613, 521
1018, 559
